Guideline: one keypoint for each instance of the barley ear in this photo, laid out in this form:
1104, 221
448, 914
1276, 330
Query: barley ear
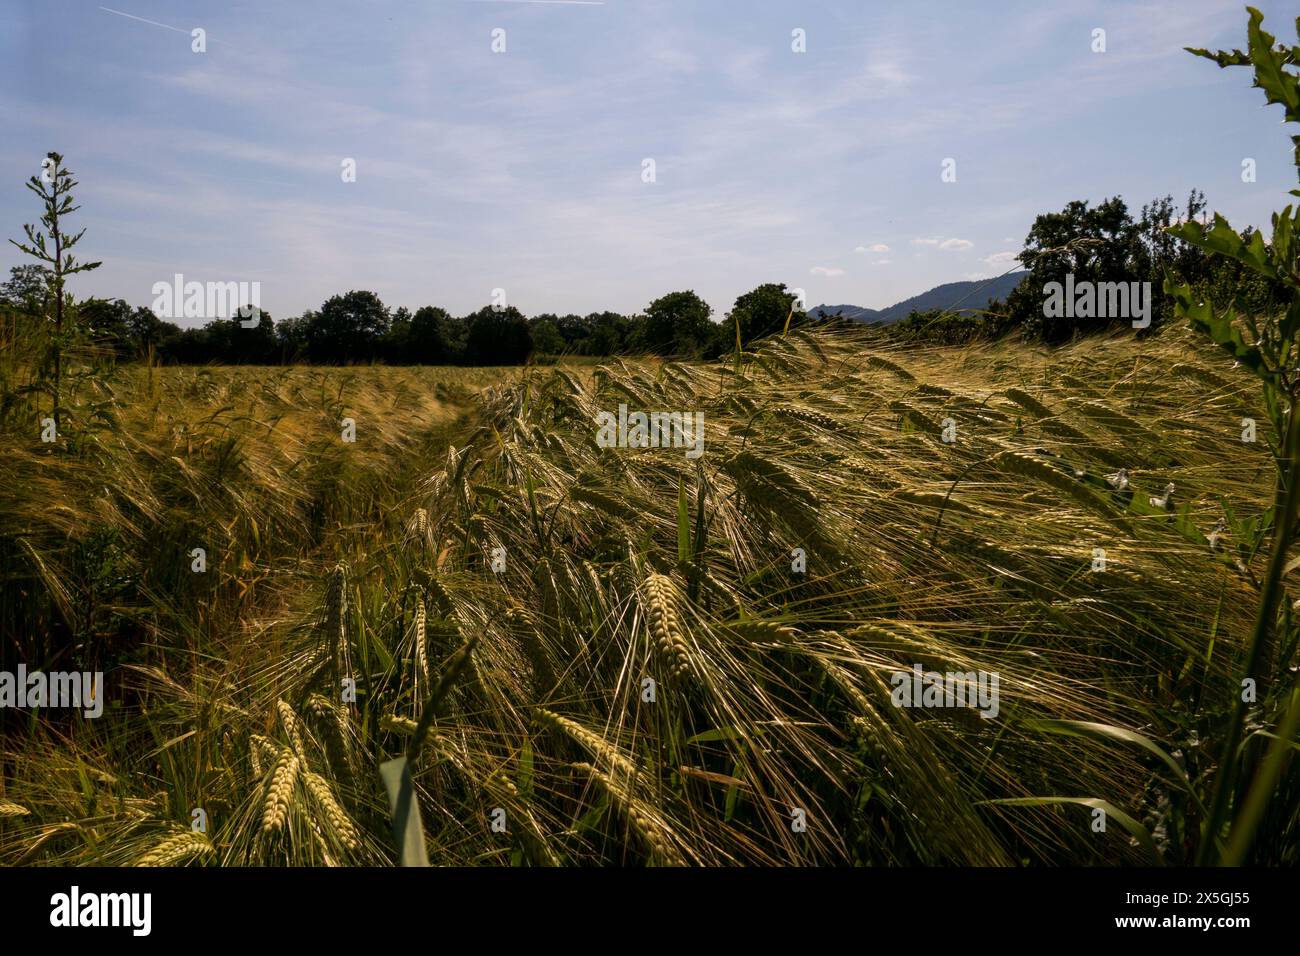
275, 810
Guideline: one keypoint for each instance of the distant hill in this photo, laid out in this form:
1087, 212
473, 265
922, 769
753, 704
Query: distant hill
961, 296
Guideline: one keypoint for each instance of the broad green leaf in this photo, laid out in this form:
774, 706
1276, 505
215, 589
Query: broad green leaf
1278, 85
1264, 733
1081, 728
1137, 830
404, 810
1219, 327
1221, 238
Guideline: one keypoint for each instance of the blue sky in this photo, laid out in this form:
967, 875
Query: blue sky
522, 170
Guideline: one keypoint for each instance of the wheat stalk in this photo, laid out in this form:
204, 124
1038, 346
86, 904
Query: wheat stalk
336, 622
336, 718
592, 742
1029, 403
881, 362
275, 810
421, 650
665, 626
292, 727
808, 416
333, 811
263, 749
395, 723
181, 846
644, 823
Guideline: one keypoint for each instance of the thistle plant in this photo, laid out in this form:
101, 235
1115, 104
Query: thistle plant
1270, 348
54, 185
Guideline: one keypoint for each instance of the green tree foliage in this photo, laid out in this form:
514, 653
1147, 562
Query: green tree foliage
107, 321
497, 338
348, 328
763, 311
145, 329
547, 339
26, 288
291, 337
1101, 244
610, 333
429, 341
676, 324
395, 345
954, 328
1092, 243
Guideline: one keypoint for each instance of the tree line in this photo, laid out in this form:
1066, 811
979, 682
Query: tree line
1097, 244
358, 327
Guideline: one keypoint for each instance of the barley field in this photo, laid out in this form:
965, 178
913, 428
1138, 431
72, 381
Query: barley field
597, 655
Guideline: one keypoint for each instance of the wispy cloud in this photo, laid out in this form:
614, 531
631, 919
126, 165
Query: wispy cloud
523, 169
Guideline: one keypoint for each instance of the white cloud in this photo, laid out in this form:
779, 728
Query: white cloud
1000, 259
948, 245
826, 271
881, 262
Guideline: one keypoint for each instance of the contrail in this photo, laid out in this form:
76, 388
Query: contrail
154, 23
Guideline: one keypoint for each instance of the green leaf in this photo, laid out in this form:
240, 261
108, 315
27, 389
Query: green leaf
525, 783
1137, 830
1278, 85
1281, 242
733, 795
381, 652
1264, 733
1222, 239
1081, 728
720, 733
1290, 323
404, 810
591, 819
1222, 57
1219, 327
